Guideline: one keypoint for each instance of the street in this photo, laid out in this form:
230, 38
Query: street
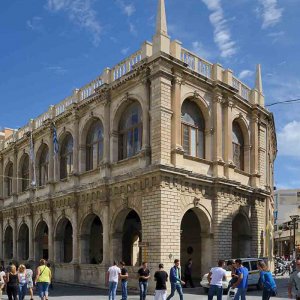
69, 292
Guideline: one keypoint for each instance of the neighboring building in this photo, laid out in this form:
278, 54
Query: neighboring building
287, 204
163, 156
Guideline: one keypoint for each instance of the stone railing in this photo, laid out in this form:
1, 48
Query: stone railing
243, 90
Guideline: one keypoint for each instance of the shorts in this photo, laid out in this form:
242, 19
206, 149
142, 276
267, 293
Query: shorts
43, 289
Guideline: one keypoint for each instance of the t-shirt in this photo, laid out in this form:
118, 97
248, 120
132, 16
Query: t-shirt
217, 275
244, 283
295, 281
22, 278
45, 274
161, 278
114, 272
145, 273
2, 274
124, 272
267, 280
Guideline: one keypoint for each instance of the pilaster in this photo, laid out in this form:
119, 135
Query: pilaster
75, 233
254, 150
51, 234
1, 180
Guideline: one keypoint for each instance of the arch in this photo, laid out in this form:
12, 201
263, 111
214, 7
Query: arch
192, 128
42, 165
41, 241
8, 179
8, 242
127, 233
241, 236
66, 155
23, 173
23, 242
91, 240
64, 240
238, 145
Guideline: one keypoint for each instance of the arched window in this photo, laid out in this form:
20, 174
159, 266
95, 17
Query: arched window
9, 179
94, 146
130, 131
237, 146
193, 127
25, 174
66, 156
43, 166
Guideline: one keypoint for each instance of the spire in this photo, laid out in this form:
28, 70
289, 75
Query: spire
258, 82
161, 20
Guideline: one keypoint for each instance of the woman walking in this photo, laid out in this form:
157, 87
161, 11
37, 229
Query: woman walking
43, 279
12, 288
266, 279
2, 280
29, 280
22, 282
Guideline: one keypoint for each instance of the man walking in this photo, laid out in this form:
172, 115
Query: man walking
144, 275
124, 280
175, 279
188, 273
161, 277
112, 278
215, 278
242, 281
294, 281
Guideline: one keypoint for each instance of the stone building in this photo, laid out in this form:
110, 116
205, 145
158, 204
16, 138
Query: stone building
160, 157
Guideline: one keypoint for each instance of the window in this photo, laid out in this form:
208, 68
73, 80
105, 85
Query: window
130, 131
253, 265
237, 146
43, 166
8, 179
25, 174
246, 264
193, 126
94, 146
66, 157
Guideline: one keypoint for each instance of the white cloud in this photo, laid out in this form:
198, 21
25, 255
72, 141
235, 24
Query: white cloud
127, 9
124, 51
222, 35
57, 70
245, 73
198, 48
34, 23
270, 13
79, 12
288, 140
132, 29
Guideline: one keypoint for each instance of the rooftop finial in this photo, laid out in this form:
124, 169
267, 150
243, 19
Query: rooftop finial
161, 19
258, 82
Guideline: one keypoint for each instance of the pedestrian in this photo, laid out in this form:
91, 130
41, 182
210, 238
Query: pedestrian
188, 273
124, 280
2, 280
267, 281
43, 279
12, 288
22, 282
112, 278
215, 279
175, 280
161, 277
231, 267
29, 280
242, 281
294, 281
144, 275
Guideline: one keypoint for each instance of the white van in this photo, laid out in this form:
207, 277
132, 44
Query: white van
249, 263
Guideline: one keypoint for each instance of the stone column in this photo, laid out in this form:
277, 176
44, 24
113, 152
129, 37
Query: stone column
75, 144
1, 179
51, 235
1, 237
146, 117
106, 246
75, 234
15, 173
15, 236
31, 237
51, 157
254, 150
107, 158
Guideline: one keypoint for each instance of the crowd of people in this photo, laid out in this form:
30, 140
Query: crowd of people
19, 280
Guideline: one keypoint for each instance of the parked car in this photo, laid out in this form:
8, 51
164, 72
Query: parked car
253, 280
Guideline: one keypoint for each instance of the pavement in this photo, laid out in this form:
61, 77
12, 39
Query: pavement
71, 292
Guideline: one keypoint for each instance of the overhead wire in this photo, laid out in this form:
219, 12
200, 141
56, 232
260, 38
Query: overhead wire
283, 102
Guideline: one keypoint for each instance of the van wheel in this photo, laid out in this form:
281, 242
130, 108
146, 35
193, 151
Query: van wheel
206, 290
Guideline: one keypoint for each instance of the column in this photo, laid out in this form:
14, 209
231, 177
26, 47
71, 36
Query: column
76, 144
15, 237
146, 117
254, 150
1, 237
106, 128
31, 238
106, 248
1, 180
75, 234
51, 157
50, 236
15, 173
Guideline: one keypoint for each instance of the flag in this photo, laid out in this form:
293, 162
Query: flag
55, 141
32, 159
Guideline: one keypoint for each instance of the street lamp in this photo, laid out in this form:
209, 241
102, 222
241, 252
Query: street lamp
294, 219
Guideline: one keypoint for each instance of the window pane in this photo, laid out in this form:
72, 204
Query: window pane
129, 143
186, 139
193, 142
200, 144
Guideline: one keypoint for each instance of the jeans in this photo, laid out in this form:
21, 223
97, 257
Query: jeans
12, 292
112, 290
215, 290
124, 289
241, 292
22, 291
43, 289
143, 289
176, 287
160, 295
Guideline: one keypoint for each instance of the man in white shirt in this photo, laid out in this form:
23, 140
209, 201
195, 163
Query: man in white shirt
112, 278
215, 278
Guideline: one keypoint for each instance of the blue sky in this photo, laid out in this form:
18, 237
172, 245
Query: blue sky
50, 47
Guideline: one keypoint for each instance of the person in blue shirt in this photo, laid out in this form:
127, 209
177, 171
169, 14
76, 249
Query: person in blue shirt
175, 279
242, 282
267, 281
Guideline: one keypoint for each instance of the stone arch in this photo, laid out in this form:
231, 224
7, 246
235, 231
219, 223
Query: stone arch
241, 235
91, 240
196, 239
23, 173
8, 242
23, 242
41, 241
8, 179
126, 235
64, 240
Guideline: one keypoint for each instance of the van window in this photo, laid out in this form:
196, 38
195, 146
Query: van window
253, 265
246, 265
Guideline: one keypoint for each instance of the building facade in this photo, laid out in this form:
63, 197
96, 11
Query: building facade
163, 156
